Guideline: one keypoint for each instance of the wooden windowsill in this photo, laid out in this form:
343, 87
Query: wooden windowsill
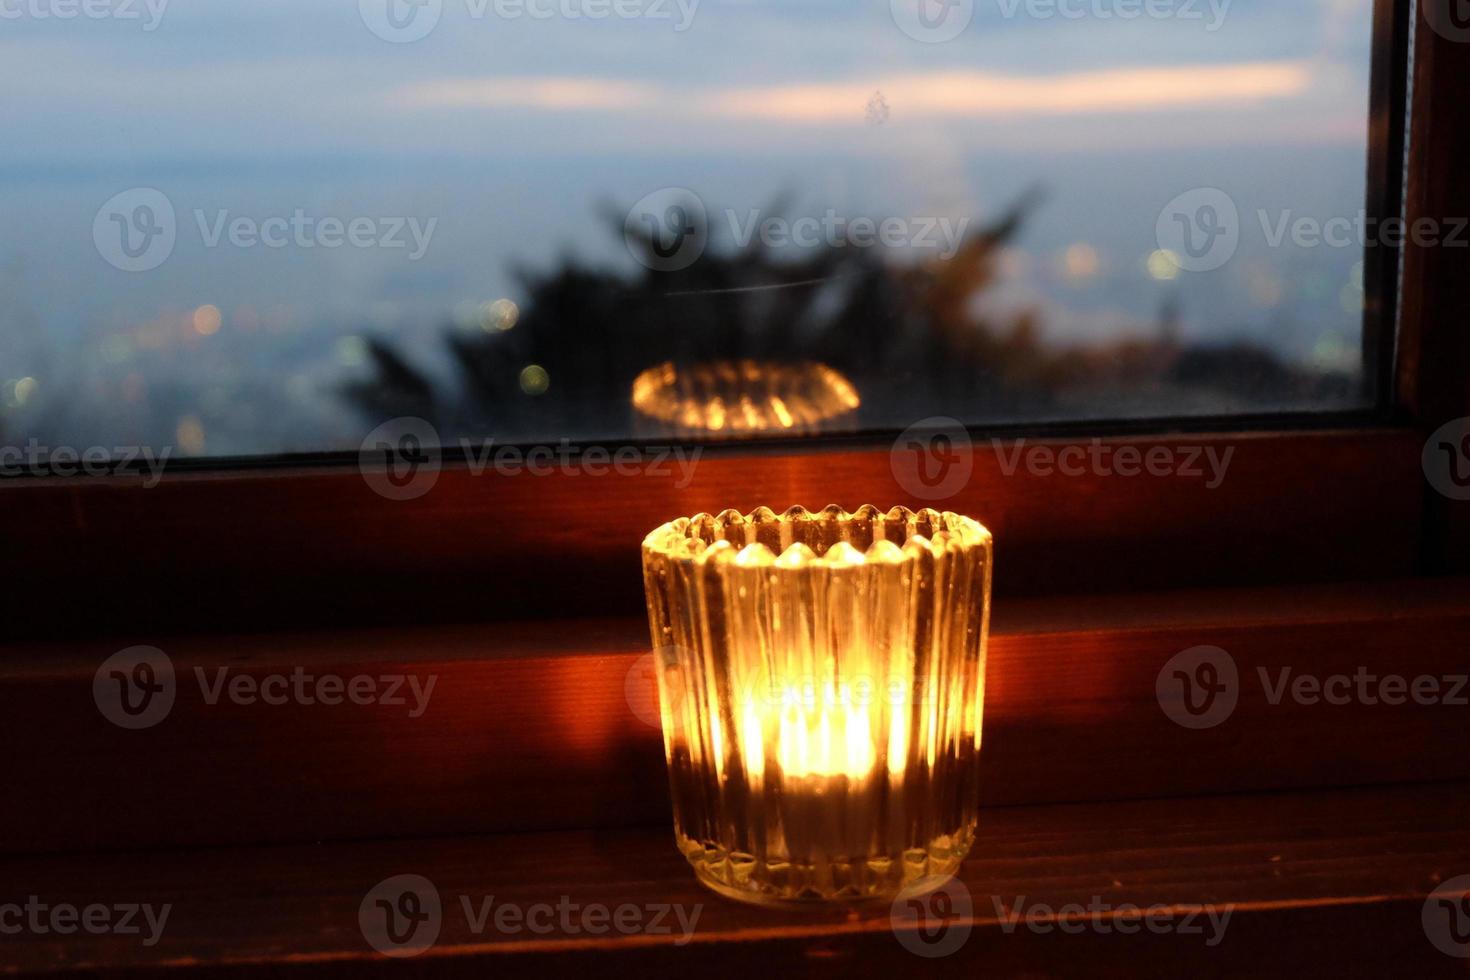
245, 550
1319, 883
530, 726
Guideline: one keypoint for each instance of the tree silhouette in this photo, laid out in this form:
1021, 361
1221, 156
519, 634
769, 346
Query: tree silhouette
906, 333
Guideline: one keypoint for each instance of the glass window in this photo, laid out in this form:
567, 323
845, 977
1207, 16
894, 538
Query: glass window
240, 229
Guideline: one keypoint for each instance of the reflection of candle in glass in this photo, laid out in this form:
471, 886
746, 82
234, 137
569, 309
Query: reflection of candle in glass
742, 398
804, 764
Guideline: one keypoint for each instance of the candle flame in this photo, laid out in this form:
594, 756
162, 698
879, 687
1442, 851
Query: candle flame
823, 737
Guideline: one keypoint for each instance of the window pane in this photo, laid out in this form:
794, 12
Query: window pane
271, 227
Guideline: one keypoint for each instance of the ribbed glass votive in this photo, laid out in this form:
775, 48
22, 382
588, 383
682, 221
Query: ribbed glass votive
821, 680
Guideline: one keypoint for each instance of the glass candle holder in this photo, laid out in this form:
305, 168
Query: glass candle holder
821, 680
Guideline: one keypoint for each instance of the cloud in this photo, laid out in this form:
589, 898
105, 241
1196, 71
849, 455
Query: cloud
922, 95
531, 93
973, 95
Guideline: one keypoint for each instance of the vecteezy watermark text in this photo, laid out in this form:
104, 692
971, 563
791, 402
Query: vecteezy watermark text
569, 460
148, 12
942, 235
1101, 916
402, 916
34, 459
136, 688
934, 460
401, 459
934, 917
1201, 687
937, 21
136, 230
668, 230
40, 918
1201, 230
303, 230
1361, 231
1363, 687
1098, 459
800, 692
678, 12
406, 21
1211, 12
301, 687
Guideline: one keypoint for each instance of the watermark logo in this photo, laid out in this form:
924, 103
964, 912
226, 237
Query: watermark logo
1199, 230
135, 230
649, 673
1446, 459
640, 689
1450, 19
1199, 687
399, 460
401, 21
932, 21
1446, 917
135, 688
667, 230
933, 459
932, 919
401, 915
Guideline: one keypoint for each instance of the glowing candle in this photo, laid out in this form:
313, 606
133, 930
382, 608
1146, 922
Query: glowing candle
821, 680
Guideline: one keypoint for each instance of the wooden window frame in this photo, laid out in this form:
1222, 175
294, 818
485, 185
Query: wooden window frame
1324, 550
306, 545
304, 542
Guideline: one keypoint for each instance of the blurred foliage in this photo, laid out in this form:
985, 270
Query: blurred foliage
909, 335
